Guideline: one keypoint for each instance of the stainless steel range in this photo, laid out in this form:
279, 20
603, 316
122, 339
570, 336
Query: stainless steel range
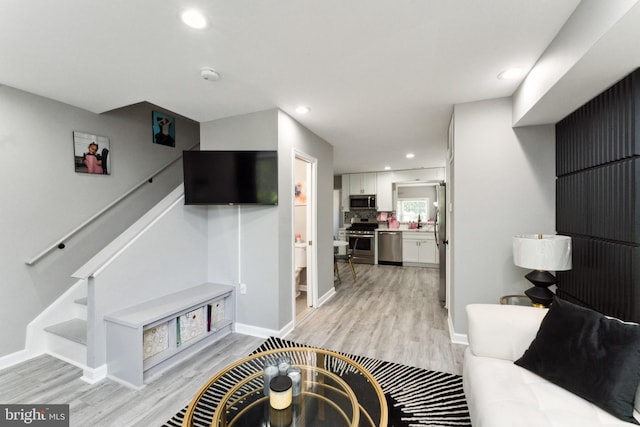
361, 236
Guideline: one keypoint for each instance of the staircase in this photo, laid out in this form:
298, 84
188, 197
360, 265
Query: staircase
73, 330
61, 330
68, 339
72, 327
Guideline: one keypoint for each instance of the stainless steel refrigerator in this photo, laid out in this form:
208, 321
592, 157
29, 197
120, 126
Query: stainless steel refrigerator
440, 230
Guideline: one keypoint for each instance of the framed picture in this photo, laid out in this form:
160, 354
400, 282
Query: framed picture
91, 153
300, 193
164, 129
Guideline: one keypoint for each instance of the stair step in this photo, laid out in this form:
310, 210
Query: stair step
74, 330
81, 301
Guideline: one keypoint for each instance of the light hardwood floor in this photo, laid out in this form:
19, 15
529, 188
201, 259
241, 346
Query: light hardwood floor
389, 313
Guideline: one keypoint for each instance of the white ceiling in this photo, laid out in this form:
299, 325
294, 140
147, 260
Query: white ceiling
380, 76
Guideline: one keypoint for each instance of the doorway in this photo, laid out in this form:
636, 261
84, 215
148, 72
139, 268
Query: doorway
304, 220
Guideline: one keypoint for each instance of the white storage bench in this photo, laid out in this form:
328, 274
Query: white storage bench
147, 338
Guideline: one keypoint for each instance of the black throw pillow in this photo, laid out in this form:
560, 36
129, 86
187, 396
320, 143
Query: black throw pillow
589, 354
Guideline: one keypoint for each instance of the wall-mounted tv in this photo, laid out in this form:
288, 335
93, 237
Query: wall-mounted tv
230, 177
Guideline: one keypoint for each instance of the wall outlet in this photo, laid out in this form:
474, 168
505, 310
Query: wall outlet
243, 288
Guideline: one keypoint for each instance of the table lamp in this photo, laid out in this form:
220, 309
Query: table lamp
542, 253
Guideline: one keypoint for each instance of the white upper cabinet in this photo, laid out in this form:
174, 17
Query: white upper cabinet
345, 193
362, 183
381, 184
384, 185
426, 175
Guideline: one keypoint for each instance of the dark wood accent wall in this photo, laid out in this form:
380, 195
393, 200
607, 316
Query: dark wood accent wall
598, 200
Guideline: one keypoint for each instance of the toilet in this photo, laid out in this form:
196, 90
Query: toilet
300, 263
301, 255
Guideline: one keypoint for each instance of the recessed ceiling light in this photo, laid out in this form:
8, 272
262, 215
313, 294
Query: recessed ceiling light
410, 156
510, 74
302, 109
387, 168
194, 19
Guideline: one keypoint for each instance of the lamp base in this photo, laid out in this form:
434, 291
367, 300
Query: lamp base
539, 294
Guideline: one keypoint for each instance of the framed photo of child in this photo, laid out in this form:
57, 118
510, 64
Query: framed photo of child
91, 153
164, 129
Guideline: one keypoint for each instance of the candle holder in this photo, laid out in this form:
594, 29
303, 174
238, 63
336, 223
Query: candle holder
284, 363
295, 373
270, 372
280, 393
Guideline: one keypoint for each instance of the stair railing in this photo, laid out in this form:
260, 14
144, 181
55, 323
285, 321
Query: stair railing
60, 242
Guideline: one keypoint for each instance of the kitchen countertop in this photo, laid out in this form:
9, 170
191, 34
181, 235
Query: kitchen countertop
409, 230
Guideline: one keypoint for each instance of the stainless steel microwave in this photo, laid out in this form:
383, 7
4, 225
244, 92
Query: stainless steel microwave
362, 202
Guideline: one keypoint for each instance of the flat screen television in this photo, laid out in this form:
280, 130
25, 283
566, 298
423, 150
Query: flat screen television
230, 177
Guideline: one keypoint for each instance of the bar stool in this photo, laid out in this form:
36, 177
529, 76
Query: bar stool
348, 258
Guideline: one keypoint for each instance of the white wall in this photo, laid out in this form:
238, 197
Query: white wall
243, 240
169, 257
254, 245
43, 198
293, 136
504, 185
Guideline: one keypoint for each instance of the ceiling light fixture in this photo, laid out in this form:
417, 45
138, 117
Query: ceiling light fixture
194, 19
387, 168
510, 74
302, 109
410, 156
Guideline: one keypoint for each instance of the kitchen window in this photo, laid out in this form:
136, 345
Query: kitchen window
408, 209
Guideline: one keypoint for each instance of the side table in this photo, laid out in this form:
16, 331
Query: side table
515, 300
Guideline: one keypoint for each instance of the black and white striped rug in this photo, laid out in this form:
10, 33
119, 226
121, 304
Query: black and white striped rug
415, 397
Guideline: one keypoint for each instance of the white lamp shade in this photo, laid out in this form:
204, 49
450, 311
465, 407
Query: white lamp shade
552, 252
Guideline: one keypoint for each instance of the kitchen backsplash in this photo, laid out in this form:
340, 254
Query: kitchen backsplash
361, 213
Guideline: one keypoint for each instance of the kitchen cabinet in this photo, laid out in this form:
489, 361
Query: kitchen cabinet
384, 194
362, 183
419, 247
345, 192
422, 175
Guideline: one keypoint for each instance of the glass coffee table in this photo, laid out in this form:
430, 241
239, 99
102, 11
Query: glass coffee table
334, 391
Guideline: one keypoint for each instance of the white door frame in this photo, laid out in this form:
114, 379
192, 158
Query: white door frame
312, 227
449, 230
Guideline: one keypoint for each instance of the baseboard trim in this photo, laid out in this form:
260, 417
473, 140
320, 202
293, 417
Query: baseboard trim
327, 296
125, 383
94, 375
256, 331
456, 338
15, 358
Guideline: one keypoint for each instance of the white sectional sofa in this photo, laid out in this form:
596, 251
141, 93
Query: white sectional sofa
500, 393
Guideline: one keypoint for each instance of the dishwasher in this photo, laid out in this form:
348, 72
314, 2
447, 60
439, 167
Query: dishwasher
390, 247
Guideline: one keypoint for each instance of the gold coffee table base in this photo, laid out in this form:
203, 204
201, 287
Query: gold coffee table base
325, 393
